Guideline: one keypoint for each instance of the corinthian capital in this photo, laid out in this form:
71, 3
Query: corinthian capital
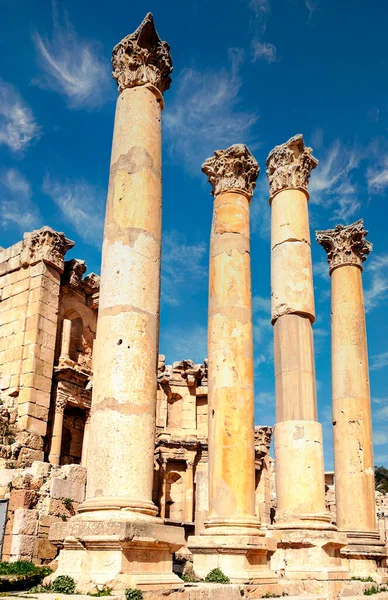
233, 169
345, 245
142, 58
289, 166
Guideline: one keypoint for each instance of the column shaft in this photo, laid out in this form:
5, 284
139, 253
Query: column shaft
298, 436
56, 439
120, 465
189, 504
66, 338
231, 398
85, 441
352, 426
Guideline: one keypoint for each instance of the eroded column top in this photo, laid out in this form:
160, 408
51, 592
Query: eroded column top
345, 244
232, 170
141, 58
289, 166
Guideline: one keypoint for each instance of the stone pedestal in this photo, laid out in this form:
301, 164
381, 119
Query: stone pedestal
232, 539
308, 542
347, 249
117, 536
117, 554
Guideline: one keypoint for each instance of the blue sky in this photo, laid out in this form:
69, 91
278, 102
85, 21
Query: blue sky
251, 71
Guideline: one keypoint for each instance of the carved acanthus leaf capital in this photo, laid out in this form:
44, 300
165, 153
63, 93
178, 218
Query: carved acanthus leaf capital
142, 58
74, 271
47, 245
345, 244
289, 166
60, 403
233, 169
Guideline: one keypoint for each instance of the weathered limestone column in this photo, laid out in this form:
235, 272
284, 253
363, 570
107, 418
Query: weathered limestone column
347, 249
120, 466
299, 465
66, 337
232, 174
122, 429
85, 441
298, 435
56, 439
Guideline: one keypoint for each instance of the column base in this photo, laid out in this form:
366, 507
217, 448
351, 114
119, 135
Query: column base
242, 558
103, 504
317, 522
117, 554
233, 526
306, 554
365, 555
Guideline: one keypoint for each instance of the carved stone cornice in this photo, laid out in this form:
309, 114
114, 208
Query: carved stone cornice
345, 244
234, 169
74, 271
141, 58
47, 245
289, 166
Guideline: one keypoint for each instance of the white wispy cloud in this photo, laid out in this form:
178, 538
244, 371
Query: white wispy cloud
184, 343
377, 173
376, 288
183, 267
332, 184
16, 205
311, 6
72, 65
18, 126
380, 361
380, 438
205, 114
261, 50
81, 205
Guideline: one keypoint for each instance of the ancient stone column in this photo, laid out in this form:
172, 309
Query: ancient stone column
120, 465
347, 249
118, 507
189, 503
56, 439
232, 174
298, 435
85, 441
66, 337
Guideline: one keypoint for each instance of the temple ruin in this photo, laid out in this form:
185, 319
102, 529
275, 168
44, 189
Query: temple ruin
129, 471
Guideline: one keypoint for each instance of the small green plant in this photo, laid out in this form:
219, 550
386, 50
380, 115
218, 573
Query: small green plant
375, 590
364, 579
105, 591
10, 485
133, 594
63, 517
63, 584
216, 576
270, 595
68, 503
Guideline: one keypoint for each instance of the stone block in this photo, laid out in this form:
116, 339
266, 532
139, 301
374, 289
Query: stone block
44, 549
28, 455
75, 473
66, 488
25, 522
30, 440
33, 410
6, 476
40, 468
22, 499
32, 425
34, 396
22, 546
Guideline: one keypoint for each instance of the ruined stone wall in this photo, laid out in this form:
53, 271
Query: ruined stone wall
29, 297
38, 497
38, 291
